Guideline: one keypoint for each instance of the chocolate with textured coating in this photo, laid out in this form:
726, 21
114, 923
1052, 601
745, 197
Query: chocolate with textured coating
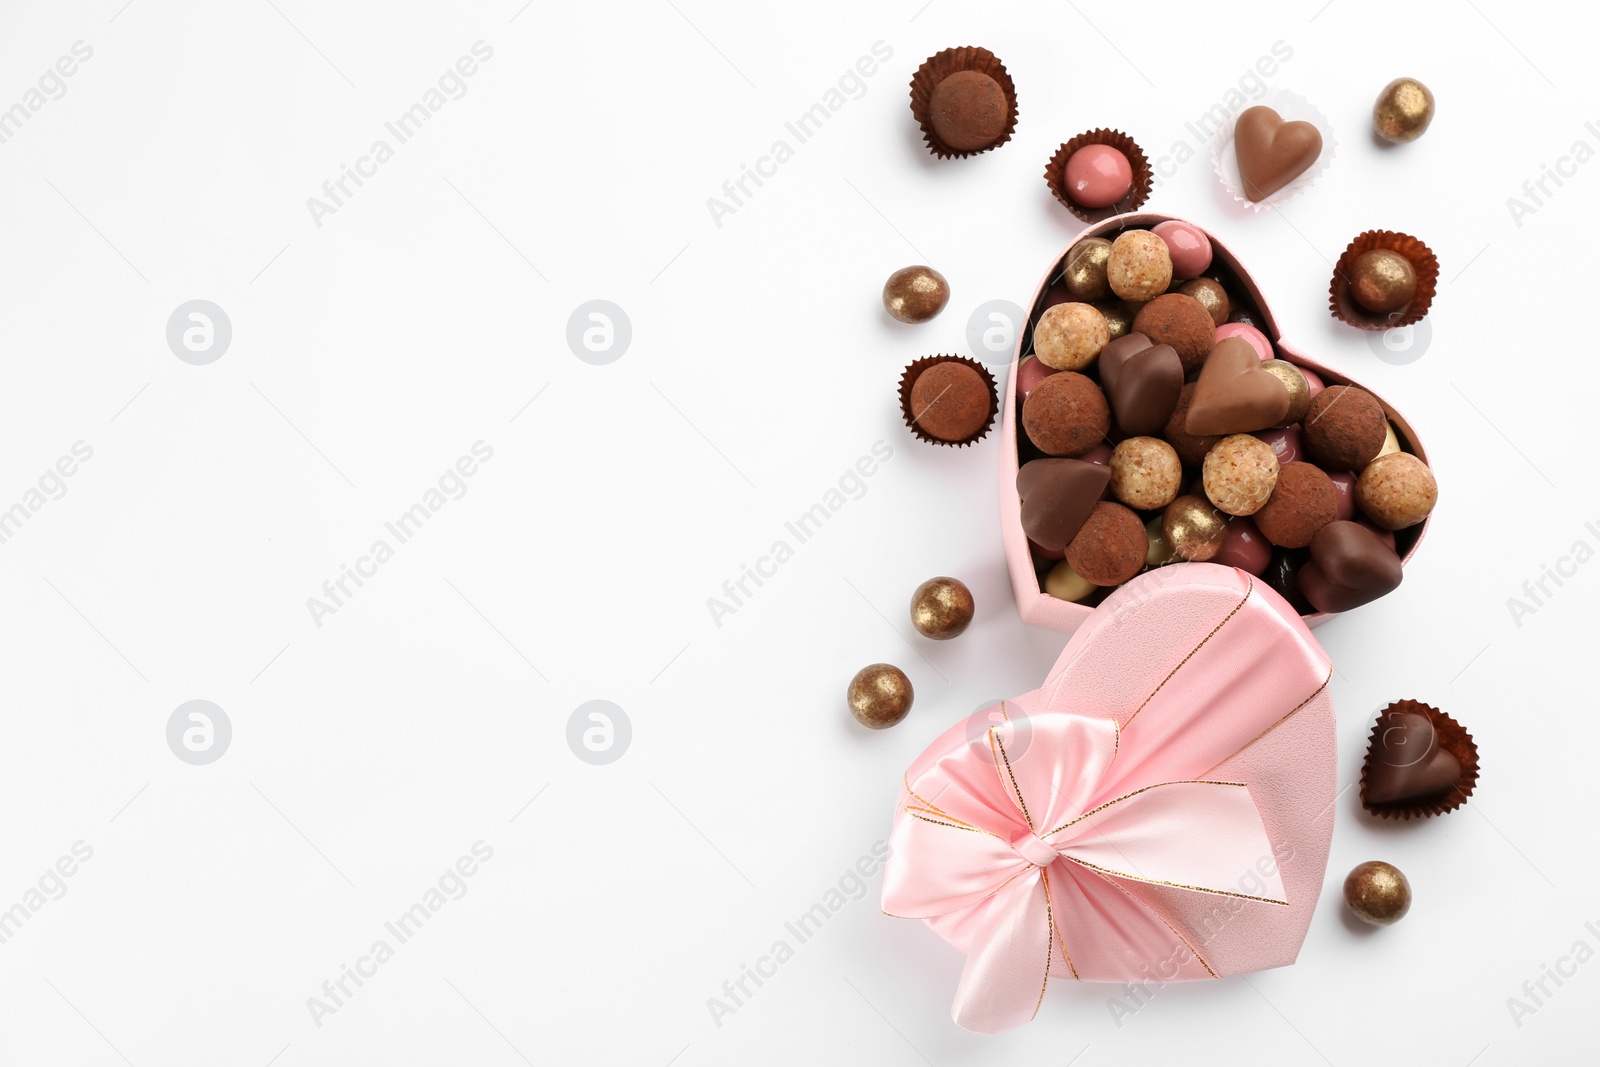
968, 110
950, 401
1066, 414
1303, 502
1110, 547
1344, 428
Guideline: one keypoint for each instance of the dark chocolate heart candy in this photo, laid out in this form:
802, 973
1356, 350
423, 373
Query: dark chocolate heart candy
1233, 394
1271, 152
1350, 565
1057, 497
1143, 382
1405, 761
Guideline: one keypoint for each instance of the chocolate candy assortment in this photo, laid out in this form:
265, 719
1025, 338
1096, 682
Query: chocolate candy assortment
1158, 423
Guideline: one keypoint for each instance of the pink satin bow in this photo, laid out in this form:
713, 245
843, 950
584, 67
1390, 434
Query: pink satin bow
1039, 852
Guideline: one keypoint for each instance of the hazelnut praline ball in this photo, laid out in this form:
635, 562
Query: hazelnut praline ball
1140, 267
1110, 546
1239, 474
1396, 491
1069, 336
1145, 473
1066, 414
968, 110
1344, 428
1182, 322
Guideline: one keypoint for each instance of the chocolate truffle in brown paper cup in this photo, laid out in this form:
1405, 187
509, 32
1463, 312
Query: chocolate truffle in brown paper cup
1055, 175
1420, 763
964, 101
948, 400
1291, 108
1367, 271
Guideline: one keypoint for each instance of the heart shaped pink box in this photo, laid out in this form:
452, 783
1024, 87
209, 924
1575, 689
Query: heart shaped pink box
1033, 603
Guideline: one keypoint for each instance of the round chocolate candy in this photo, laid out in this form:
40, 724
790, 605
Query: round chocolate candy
1064, 583
1182, 322
1377, 893
1030, 372
1285, 443
1212, 296
879, 695
1069, 336
1194, 528
1140, 267
1084, 273
941, 608
1098, 175
1145, 473
1394, 491
1295, 381
1189, 248
1159, 553
1191, 448
951, 401
1257, 339
915, 294
1344, 428
1302, 502
1240, 473
1382, 281
1110, 546
1244, 547
1066, 414
1403, 111
968, 110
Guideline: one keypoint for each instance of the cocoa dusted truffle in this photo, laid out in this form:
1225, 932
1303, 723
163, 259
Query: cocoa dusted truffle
1066, 415
950, 401
1190, 448
969, 110
1110, 546
1182, 322
1344, 429
1302, 502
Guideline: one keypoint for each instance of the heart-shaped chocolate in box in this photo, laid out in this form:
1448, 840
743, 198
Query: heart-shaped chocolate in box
1033, 603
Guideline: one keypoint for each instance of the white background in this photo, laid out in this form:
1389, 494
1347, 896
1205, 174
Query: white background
371, 752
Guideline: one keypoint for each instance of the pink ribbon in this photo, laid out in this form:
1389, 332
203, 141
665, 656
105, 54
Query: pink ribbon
1034, 847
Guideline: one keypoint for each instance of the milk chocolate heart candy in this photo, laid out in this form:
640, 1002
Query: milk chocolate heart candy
1057, 497
1405, 762
1143, 382
1349, 566
1233, 394
1272, 153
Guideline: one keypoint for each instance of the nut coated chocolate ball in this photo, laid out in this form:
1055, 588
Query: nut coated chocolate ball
1396, 491
879, 695
1085, 273
915, 294
1194, 528
1145, 473
1377, 892
941, 608
1403, 111
1240, 473
1070, 336
1140, 267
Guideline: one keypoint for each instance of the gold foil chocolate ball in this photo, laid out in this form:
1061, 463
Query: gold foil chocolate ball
879, 695
1119, 316
1085, 276
1382, 281
941, 608
1212, 296
1403, 111
1295, 382
1377, 892
915, 294
1194, 529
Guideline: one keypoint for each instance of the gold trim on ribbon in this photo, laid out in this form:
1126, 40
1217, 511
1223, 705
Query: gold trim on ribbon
1174, 885
1136, 792
1314, 694
1225, 619
1055, 927
996, 745
1186, 943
